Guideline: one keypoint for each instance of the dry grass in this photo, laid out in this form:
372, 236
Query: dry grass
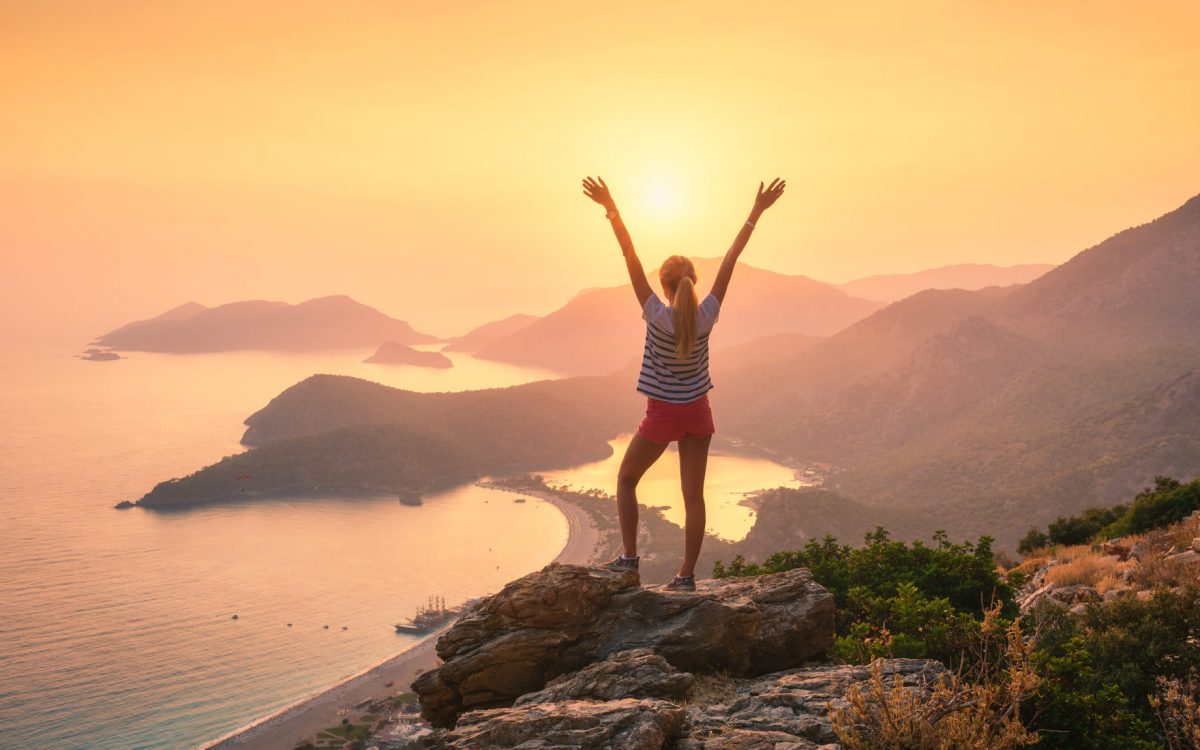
1090, 566
1178, 535
1087, 570
1178, 712
1030, 565
981, 712
1116, 579
1160, 572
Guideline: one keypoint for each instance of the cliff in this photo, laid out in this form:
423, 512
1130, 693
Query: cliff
576, 657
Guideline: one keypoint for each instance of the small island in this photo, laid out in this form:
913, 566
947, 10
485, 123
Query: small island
99, 355
395, 353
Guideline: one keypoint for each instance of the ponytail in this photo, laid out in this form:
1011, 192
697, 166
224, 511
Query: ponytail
684, 314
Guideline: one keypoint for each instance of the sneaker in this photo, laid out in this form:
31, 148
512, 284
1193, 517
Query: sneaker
682, 583
623, 563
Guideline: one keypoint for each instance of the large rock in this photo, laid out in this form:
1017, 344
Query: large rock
626, 724
639, 673
566, 617
792, 706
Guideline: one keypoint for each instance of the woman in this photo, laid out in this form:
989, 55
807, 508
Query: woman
674, 379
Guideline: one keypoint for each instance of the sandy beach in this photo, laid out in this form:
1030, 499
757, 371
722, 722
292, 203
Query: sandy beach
292, 724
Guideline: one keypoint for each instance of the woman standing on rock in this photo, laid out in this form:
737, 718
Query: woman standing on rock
674, 379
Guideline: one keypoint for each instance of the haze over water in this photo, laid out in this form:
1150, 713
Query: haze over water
117, 624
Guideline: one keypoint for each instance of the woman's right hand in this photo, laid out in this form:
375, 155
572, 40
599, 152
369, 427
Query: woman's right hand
598, 191
766, 198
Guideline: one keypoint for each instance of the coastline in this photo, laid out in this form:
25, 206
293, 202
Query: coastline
287, 726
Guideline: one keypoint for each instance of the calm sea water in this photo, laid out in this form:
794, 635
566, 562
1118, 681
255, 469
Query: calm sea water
116, 626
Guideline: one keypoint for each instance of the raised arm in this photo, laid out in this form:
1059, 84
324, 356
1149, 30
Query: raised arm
764, 200
597, 190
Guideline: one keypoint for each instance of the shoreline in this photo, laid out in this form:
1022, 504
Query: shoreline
289, 725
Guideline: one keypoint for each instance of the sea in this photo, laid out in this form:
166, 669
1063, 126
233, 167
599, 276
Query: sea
143, 628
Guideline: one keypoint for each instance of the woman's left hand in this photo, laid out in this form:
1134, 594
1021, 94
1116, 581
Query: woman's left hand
766, 198
598, 192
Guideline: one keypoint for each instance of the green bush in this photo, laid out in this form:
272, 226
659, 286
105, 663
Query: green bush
1163, 504
1080, 529
1033, 540
1100, 668
895, 598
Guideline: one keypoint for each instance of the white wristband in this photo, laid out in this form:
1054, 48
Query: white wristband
749, 223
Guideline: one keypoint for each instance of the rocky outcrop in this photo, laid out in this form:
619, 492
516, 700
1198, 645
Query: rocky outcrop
786, 710
628, 724
791, 707
566, 617
639, 673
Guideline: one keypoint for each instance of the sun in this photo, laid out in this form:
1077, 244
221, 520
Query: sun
661, 199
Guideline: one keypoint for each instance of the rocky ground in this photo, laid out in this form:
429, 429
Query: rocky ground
582, 657
1073, 576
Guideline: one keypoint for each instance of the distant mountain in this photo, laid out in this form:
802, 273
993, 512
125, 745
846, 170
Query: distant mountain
1002, 408
488, 332
334, 322
600, 330
760, 351
393, 353
175, 314
970, 276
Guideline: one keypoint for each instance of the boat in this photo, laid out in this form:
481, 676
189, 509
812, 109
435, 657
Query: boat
434, 613
410, 498
519, 500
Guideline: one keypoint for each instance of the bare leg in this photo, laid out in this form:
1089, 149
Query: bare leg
693, 461
639, 456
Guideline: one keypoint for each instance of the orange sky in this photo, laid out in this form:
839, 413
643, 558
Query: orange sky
425, 158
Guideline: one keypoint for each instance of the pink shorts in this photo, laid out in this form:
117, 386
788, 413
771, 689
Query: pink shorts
666, 421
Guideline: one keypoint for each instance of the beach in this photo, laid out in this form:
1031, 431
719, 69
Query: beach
292, 724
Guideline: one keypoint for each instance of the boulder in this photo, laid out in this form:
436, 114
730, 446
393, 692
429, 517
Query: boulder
1118, 550
565, 617
1075, 594
1187, 556
793, 704
1035, 596
638, 673
626, 724
1116, 593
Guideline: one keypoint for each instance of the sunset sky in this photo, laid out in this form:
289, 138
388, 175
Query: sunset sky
425, 158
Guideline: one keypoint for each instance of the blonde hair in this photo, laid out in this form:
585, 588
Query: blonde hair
679, 275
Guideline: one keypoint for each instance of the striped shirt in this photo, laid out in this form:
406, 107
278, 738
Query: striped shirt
663, 375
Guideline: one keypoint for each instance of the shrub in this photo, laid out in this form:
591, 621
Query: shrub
896, 598
1165, 503
1080, 529
1033, 540
1100, 668
1178, 712
981, 709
